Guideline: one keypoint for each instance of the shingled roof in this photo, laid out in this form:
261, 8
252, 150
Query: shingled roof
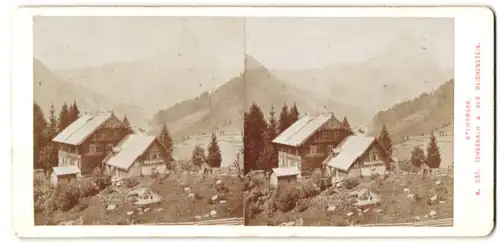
81, 129
301, 130
349, 150
129, 149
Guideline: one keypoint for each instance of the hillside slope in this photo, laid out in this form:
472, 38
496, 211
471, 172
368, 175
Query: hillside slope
429, 111
222, 109
266, 89
50, 89
402, 71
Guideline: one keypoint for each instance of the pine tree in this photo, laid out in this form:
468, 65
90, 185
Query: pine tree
73, 113
273, 125
254, 126
198, 156
166, 140
272, 132
294, 115
64, 119
284, 118
52, 122
417, 157
264, 161
385, 140
125, 121
40, 135
433, 153
214, 158
346, 124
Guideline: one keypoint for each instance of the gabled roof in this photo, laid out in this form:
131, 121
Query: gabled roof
81, 129
129, 149
286, 171
66, 170
350, 149
301, 130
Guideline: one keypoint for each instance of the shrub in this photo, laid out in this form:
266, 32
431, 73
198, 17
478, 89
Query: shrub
351, 183
308, 190
130, 182
302, 205
287, 196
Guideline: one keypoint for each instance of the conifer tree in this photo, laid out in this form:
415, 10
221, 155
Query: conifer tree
254, 126
166, 140
284, 118
264, 161
417, 157
73, 113
52, 122
40, 136
346, 124
294, 115
125, 121
64, 119
433, 153
198, 157
214, 158
385, 140
272, 132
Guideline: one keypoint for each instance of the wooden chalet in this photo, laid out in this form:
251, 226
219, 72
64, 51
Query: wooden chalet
324, 142
136, 154
88, 140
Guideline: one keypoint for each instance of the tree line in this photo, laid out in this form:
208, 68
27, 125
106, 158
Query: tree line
45, 129
258, 151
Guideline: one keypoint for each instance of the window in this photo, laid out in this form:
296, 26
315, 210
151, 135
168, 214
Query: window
117, 132
329, 148
92, 148
155, 155
312, 149
374, 156
325, 134
335, 134
109, 147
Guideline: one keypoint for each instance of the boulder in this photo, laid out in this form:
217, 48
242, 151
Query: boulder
438, 182
147, 210
331, 208
111, 207
434, 198
441, 202
159, 210
187, 189
191, 195
218, 182
223, 201
433, 213
214, 198
213, 213
349, 214
130, 213
197, 217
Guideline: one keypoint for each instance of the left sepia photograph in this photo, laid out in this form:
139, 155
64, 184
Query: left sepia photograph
138, 120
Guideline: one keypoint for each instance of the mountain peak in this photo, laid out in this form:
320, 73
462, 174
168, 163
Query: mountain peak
251, 64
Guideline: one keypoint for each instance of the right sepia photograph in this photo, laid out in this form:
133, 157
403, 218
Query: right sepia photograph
348, 121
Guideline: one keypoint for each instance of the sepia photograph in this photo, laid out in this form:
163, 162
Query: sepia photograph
138, 120
349, 121
252, 122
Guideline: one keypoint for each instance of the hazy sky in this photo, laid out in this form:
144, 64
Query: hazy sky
278, 43
76, 42
299, 43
